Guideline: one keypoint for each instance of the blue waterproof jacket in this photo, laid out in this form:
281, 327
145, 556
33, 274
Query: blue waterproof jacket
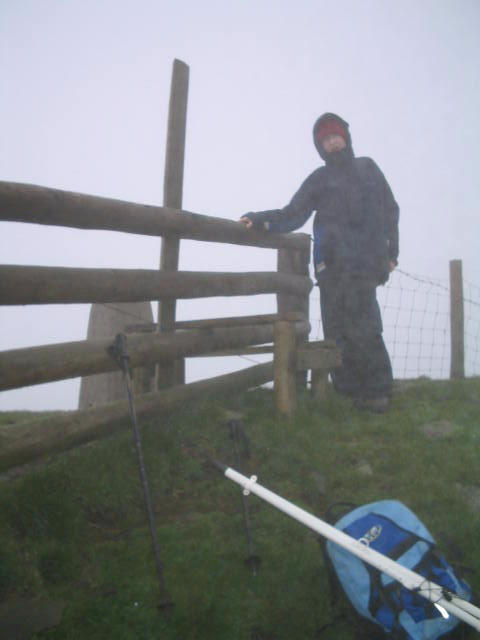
356, 222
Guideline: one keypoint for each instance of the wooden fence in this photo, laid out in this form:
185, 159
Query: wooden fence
169, 341
28, 285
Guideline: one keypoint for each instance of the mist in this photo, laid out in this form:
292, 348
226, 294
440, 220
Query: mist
85, 91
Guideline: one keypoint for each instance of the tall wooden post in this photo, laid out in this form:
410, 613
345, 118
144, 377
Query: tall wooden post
457, 360
167, 375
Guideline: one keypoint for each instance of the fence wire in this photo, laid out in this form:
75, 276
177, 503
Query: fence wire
472, 329
416, 325
416, 316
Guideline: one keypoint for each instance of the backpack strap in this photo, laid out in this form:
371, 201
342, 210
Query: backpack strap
337, 510
334, 586
380, 597
363, 628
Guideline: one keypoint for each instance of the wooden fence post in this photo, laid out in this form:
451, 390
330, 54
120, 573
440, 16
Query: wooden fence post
285, 368
295, 262
457, 359
167, 375
319, 384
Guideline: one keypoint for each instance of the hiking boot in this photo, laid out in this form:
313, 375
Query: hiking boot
378, 404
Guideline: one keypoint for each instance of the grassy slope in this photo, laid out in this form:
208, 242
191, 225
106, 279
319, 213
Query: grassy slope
75, 531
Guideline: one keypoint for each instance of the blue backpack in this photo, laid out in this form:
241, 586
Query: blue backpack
389, 527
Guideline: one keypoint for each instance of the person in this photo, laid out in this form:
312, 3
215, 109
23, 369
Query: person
355, 248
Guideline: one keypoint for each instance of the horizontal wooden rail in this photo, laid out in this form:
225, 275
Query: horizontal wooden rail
42, 205
36, 365
52, 285
208, 323
26, 442
309, 355
243, 351
323, 354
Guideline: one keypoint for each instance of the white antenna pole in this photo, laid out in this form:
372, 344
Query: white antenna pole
409, 579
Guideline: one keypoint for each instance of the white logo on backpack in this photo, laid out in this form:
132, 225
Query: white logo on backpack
371, 535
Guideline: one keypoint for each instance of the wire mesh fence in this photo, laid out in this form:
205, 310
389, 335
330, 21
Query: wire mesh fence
416, 323
416, 314
472, 329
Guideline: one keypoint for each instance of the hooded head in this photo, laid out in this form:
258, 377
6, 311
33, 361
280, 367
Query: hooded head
327, 124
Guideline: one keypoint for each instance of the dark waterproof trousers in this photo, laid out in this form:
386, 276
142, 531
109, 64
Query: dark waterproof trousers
351, 317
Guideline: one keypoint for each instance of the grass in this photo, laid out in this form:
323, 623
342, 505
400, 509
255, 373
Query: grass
74, 530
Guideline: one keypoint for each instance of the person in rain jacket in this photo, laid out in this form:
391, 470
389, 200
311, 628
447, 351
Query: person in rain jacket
355, 233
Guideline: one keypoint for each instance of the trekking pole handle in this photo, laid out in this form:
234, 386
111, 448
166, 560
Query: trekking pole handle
118, 351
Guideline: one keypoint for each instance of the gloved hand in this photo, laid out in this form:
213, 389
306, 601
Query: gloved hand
251, 221
246, 221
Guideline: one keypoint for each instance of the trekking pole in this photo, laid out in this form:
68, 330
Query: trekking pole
438, 595
118, 351
236, 429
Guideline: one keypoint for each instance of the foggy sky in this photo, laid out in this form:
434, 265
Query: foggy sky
84, 101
